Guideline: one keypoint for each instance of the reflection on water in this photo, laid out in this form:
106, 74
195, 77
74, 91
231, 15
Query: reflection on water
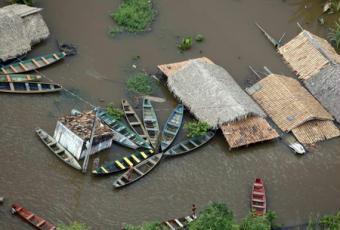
32, 176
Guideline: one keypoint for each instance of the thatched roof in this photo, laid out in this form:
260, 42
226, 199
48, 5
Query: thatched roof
307, 54
293, 108
325, 86
21, 26
82, 124
248, 131
211, 94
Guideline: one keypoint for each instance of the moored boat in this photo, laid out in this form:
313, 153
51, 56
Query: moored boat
172, 127
190, 144
130, 138
123, 164
57, 149
137, 172
150, 122
32, 64
133, 120
31, 218
258, 198
20, 78
179, 223
28, 87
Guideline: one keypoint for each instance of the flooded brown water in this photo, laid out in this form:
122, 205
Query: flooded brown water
31, 175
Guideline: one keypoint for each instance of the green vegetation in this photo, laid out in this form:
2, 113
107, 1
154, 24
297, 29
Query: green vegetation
196, 128
146, 226
140, 83
218, 216
27, 2
330, 222
199, 38
114, 112
185, 44
335, 6
73, 226
133, 16
334, 35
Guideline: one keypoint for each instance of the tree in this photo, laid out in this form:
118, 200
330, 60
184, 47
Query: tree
214, 216
73, 226
330, 222
253, 222
146, 226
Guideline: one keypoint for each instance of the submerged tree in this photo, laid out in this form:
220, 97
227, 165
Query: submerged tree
140, 83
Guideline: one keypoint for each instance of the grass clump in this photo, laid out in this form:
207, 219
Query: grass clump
140, 83
185, 44
133, 16
196, 128
334, 35
114, 112
73, 226
146, 226
199, 38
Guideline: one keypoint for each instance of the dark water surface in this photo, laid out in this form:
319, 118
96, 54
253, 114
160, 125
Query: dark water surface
32, 176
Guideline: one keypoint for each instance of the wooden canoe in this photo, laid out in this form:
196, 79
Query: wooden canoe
134, 121
190, 144
150, 122
31, 218
123, 164
137, 172
258, 198
57, 149
28, 87
32, 64
179, 223
172, 127
130, 138
20, 78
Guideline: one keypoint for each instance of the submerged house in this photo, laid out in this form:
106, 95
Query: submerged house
293, 109
317, 64
74, 132
213, 96
21, 26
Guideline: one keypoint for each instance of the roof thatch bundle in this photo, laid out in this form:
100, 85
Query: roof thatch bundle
213, 96
21, 27
293, 108
325, 86
307, 54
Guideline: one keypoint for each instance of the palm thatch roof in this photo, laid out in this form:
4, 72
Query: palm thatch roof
325, 86
213, 96
307, 54
21, 27
293, 108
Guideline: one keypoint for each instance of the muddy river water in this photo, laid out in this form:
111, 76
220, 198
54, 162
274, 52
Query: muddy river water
31, 175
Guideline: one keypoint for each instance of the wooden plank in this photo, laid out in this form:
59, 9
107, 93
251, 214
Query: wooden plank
13, 68
4, 70
35, 63
56, 56
44, 60
9, 79
23, 66
11, 86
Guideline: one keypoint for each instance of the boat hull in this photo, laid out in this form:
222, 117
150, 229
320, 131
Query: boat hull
29, 87
258, 198
20, 78
150, 122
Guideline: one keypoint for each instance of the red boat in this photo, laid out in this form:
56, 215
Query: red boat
33, 219
258, 198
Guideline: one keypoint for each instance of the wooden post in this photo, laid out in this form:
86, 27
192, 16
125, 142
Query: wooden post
88, 150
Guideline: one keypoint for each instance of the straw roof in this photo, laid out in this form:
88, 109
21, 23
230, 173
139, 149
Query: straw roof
248, 131
325, 86
307, 54
82, 125
293, 108
21, 26
211, 94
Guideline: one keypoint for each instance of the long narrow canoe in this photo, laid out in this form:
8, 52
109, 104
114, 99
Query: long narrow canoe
137, 172
57, 149
28, 87
179, 223
133, 120
123, 164
32, 64
150, 122
121, 128
258, 198
172, 127
190, 144
37, 221
20, 78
